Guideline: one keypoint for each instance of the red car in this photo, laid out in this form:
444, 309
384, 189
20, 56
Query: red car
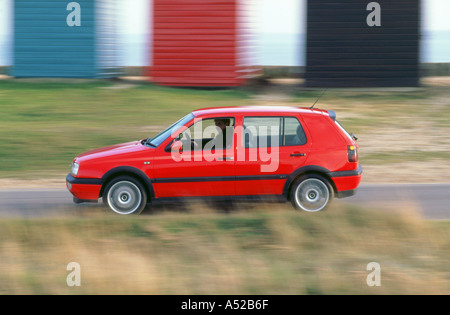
298, 154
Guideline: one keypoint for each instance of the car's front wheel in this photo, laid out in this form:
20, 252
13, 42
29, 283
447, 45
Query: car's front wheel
125, 195
311, 193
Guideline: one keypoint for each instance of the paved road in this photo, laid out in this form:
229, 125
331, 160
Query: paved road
432, 200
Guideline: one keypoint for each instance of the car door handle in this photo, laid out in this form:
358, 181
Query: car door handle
226, 158
298, 154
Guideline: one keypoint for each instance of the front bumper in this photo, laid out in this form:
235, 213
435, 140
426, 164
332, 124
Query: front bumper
84, 189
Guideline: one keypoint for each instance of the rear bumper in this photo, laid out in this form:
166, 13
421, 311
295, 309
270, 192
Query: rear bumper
346, 182
345, 193
351, 173
84, 189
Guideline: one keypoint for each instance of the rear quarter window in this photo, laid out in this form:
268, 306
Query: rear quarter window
324, 132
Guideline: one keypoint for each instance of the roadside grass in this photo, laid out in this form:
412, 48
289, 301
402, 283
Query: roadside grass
258, 249
405, 131
366, 110
410, 155
268, 250
43, 126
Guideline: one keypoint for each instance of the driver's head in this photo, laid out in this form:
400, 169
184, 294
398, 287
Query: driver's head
222, 123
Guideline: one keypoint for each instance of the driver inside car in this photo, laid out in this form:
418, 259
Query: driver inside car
221, 140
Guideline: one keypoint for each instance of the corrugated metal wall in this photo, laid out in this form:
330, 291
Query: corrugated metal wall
45, 46
344, 51
195, 43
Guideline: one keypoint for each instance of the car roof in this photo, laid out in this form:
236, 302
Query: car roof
257, 109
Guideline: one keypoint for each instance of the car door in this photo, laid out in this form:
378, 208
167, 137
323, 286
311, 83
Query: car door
196, 167
274, 147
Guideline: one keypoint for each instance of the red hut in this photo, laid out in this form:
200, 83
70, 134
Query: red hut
201, 43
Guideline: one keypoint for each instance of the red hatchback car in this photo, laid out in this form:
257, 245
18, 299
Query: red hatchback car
299, 154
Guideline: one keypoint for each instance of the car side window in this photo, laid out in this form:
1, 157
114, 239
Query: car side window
210, 133
293, 132
261, 132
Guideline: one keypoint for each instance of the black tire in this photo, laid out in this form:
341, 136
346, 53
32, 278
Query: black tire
311, 193
125, 195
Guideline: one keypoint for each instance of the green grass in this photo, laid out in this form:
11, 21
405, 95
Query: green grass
383, 104
398, 157
271, 250
44, 125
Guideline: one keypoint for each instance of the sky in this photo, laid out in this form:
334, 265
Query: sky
436, 15
278, 23
284, 12
281, 16
269, 17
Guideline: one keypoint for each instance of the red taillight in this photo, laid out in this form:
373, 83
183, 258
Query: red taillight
352, 153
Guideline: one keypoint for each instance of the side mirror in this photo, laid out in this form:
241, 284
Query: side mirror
176, 146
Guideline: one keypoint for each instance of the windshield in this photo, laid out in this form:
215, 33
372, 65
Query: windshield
156, 141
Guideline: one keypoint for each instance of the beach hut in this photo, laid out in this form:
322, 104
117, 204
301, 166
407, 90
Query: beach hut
201, 43
64, 39
356, 43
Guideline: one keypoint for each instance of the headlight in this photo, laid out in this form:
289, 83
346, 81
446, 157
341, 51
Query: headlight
75, 168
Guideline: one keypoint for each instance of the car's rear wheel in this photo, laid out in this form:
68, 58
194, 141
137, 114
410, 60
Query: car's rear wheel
125, 195
311, 193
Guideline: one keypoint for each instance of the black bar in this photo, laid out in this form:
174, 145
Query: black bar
83, 181
217, 178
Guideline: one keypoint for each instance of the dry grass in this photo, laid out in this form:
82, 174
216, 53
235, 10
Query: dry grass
268, 250
403, 133
403, 137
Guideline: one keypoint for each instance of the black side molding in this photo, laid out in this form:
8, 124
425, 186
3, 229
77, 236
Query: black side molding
356, 172
83, 181
217, 178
